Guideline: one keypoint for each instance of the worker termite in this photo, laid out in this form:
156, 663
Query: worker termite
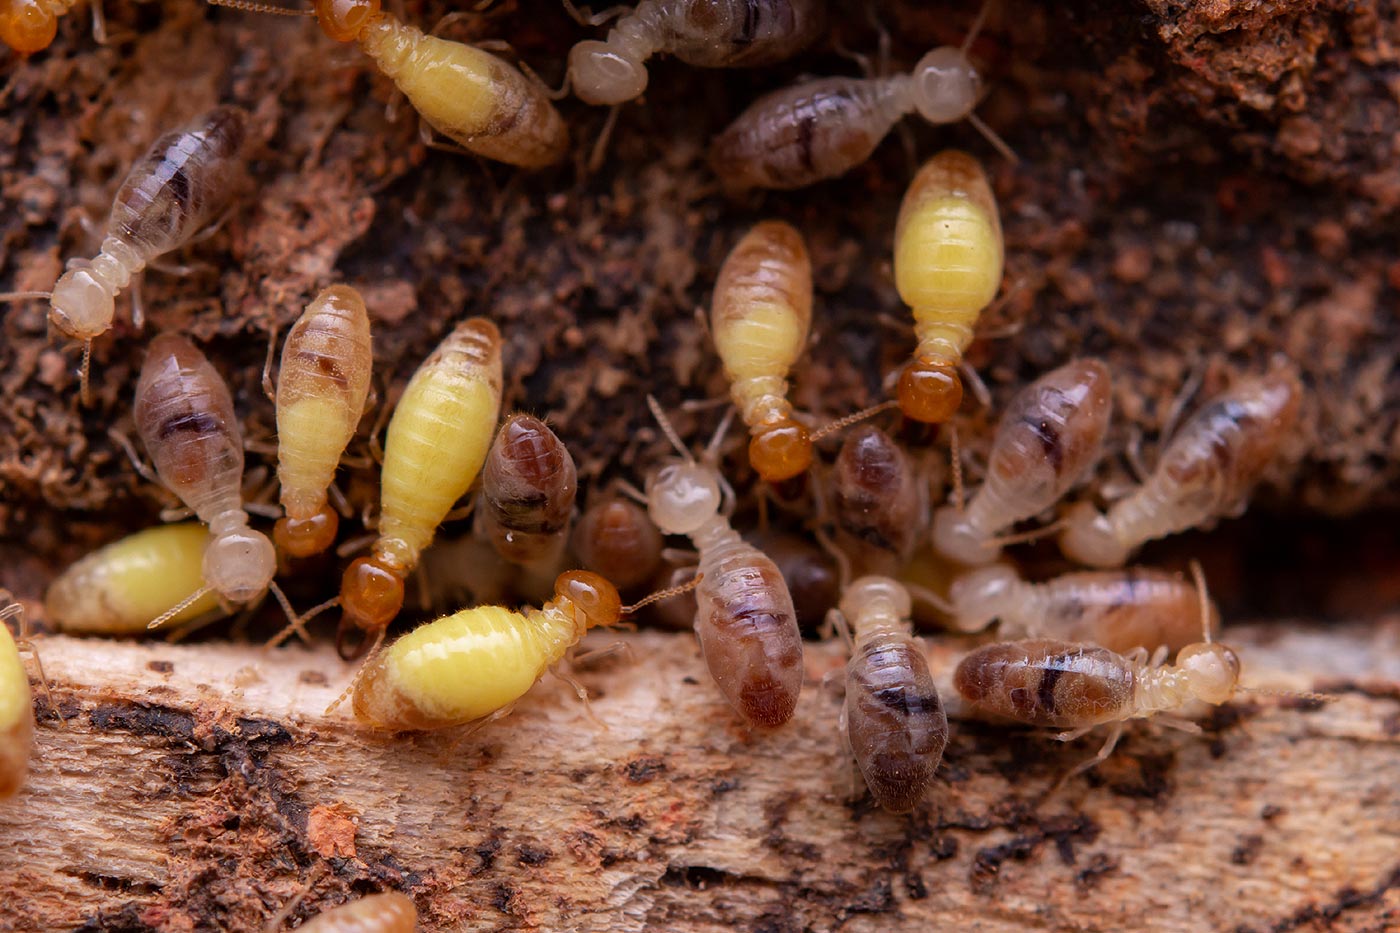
476, 99
1118, 609
825, 127
948, 253
321, 390
16, 705
704, 33
437, 441
388, 912
527, 493
1047, 441
878, 503
173, 191
475, 664
618, 540
185, 417
1207, 471
120, 588
745, 619
893, 718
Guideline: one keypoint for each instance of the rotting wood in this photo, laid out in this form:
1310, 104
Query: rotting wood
200, 787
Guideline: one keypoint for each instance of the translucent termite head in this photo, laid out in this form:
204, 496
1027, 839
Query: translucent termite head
946, 86
929, 392
239, 562
866, 593
303, 537
371, 595
343, 20
82, 306
781, 450
1088, 538
683, 496
594, 600
27, 26
1212, 671
956, 537
979, 597
604, 74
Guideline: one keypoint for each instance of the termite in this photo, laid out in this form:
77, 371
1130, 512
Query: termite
16, 706
169, 195
118, 589
185, 417
878, 502
744, 619
1207, 471
527, 494
389, 912
1048, 440
436, 443
478, 100
1115, 609
704, 33
948, 253
321, 390
822, 128
472, 666
617, 539
893, 718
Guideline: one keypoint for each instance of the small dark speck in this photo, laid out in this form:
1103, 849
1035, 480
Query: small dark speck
160, 667
689, 681
1099, 864
312, 678
645, 769
724, 786
1270, 811
534, 855
943, 848
915, 887
1247, 850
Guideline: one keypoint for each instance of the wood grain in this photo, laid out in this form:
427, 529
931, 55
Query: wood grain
201, 787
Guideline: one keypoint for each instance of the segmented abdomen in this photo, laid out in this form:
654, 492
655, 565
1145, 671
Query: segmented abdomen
1046, 683
737, 33
894, 720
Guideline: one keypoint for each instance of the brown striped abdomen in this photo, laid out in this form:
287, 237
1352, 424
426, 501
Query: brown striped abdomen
877, 498
738, 33
748, 634
1041, 682
528, 487
894, 720
1125, 609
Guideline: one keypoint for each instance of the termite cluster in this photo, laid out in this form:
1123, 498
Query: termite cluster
1094, 646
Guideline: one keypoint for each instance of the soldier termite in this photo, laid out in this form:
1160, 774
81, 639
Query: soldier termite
744, 618
878, 502
321, 389
893, 718
478, 100
618, 540
705, 33
1047, 441
120, 588
1117, 609
825, 127
172, 192
527, 493
185, 417
437, 441
472, 666
389, 912
948, 253
1206, 471
16, 705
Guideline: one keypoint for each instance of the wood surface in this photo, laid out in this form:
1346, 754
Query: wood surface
198, 787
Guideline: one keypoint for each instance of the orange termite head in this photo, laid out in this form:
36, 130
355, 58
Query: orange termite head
303, 537
371, 595
929, 392
343, 20
591, 596
781, 450
27, 26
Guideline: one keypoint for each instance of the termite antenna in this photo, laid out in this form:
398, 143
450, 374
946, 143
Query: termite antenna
83, 392
925, 595
843, 563
22, 296
1288, 694
249, 7
667, 429
359, 674
1035, 534
710, 454
976, 27
298, 625
955, 465
999, 144
1203, 595
179, 607
843, 423
667, 593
